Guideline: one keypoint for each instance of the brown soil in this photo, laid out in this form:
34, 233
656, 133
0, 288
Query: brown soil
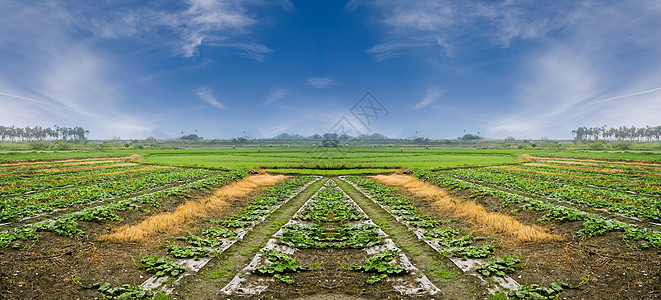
46, 269
57, 161
613, 269
471, 212
100, 175
330, 277
53, 170
608, 164
575, 176
576, 168
603, 161
85, 168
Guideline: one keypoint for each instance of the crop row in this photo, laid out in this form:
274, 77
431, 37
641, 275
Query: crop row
35, 169
22, 163
463, 248
67, 224
13, 208
638, 206
30, 179
205, 243
198, 246
19, 164
606, 163
328, 207
623, 169
593, 224
603, 164
425, 226
620, 181
50, 183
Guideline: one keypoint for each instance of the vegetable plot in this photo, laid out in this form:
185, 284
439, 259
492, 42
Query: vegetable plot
335, 244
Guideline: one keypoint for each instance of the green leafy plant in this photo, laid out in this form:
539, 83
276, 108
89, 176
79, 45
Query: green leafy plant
8, 239
280, 263
190, 251
536, 291
284, 278
202, 242
65, 225
444, 233
500, 266
125, 291
160, 266
380, 263
376, 278
470, 251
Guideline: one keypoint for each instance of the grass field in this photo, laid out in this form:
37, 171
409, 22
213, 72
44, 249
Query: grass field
289, 160
472, 224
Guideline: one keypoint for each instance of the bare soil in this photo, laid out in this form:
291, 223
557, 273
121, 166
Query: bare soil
48, 268
611, 268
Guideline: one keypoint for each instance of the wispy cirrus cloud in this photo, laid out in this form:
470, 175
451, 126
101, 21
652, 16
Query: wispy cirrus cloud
50, 77
206, 95
184, 27
603, 71
432, 95
451, 25
78, 65
320, 82
276, 94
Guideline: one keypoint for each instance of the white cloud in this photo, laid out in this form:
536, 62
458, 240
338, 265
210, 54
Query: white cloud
391, 50
604, 70
52, 78
319, 82
196, 23
275, 95
433, 94
207, 96
447, 25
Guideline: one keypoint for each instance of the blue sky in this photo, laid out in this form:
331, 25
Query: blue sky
502, 68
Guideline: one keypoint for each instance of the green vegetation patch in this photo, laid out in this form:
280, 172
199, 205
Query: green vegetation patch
345, 236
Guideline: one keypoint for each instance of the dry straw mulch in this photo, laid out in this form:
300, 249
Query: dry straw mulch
473, 213
189, 212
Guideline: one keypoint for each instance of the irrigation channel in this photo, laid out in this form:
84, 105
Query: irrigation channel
330, 246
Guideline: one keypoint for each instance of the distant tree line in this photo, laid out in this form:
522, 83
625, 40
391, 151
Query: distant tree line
38, 133
622, 133
296, 136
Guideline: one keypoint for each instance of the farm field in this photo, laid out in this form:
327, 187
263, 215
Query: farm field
330, 224
329, 159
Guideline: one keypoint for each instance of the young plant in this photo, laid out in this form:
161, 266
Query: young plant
160, 266
500, 266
